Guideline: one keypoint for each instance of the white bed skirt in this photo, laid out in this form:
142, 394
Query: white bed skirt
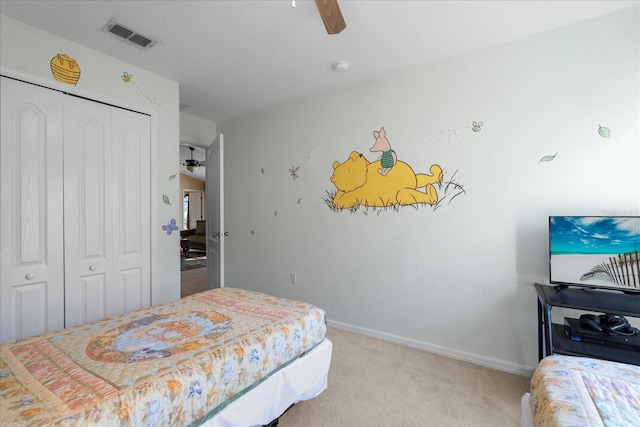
303, 379
526, 417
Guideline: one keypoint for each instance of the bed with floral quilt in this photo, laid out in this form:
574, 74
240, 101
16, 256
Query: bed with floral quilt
581, 391
201, 359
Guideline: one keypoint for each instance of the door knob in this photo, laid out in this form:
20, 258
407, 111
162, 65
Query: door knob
93, 268
226, 233
30, 276
216, 234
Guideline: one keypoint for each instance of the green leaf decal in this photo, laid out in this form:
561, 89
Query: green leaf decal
262, 170
165, 199
548, 158
604, 132
172, 177
298, 202
275, 213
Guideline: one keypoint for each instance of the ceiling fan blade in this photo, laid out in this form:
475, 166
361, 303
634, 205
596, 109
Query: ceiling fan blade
331, 16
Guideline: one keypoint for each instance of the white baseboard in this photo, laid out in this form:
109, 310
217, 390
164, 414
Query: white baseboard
501, 365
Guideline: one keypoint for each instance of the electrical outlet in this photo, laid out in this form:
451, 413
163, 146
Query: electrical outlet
293, 278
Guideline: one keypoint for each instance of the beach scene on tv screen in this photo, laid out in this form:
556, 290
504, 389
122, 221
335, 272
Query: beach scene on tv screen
595, 251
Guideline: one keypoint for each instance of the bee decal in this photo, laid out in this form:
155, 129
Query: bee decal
126, 77
477, 127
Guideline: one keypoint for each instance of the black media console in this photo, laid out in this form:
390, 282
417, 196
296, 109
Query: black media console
551, 336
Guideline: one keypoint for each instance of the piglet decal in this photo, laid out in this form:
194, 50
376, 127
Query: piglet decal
388, 158
383, 183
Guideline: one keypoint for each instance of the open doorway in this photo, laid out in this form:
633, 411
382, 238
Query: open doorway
193, 256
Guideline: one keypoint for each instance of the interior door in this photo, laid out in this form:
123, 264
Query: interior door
131, 206
31, 208
107, 206
215, 214
88, 217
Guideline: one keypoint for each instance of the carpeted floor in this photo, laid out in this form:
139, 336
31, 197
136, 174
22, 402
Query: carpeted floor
377, 383
193, 281
192, 261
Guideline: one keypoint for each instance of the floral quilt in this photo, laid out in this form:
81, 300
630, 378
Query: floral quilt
580, 391
173, 364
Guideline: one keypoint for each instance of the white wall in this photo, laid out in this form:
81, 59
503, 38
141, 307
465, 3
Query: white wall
196, 131
28, 50
459, 277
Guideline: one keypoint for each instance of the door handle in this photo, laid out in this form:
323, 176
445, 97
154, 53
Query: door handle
226, 233
29, 276
93, 267
216, 234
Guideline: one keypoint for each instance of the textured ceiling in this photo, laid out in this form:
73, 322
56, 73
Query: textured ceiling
233, 58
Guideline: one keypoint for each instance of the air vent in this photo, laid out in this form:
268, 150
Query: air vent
130, 36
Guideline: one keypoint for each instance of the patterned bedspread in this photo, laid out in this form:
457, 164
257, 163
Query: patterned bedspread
174, 364
580, 391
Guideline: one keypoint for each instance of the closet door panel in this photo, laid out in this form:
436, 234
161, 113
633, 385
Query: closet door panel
132, 208
31, 308
94, 289
31, 229
87, 217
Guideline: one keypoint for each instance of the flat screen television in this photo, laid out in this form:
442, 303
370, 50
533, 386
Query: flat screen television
595, 251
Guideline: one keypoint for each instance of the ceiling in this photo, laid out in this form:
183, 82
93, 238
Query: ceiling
232, 58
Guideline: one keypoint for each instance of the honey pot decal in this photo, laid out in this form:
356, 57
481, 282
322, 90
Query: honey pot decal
65, 69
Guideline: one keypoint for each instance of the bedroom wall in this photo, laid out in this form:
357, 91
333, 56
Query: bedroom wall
457, 279
29, 50
196, 131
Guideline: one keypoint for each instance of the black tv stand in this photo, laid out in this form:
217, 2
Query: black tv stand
560, 288
551, 336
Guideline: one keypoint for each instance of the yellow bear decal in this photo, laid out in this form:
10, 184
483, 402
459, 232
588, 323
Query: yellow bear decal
362, 183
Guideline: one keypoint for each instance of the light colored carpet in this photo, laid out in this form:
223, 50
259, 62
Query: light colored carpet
377, 383
193, 281
193, 261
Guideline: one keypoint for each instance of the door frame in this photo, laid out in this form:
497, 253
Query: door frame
215, 203
128, 105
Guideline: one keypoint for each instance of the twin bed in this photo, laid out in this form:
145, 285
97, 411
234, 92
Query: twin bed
224, 357
231, 357
581, 391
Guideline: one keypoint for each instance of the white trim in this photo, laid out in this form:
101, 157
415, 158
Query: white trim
477, 359
121, 103
222, 229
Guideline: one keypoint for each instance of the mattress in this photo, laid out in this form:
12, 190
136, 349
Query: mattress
180, 363
580, 391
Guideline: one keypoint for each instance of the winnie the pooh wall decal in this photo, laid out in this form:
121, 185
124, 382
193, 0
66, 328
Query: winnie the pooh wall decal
389, 183
65, 69
388, 158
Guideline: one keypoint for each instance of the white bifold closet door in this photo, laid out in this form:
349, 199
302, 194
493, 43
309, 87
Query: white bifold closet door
75, 210
106, 211
31, 210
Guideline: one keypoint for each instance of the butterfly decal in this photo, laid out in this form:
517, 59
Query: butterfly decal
170, 227
294, 172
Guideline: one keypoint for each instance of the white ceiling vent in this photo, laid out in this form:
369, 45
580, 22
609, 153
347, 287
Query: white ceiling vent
130, 36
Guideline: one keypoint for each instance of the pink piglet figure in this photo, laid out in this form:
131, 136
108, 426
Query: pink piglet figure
388, 158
